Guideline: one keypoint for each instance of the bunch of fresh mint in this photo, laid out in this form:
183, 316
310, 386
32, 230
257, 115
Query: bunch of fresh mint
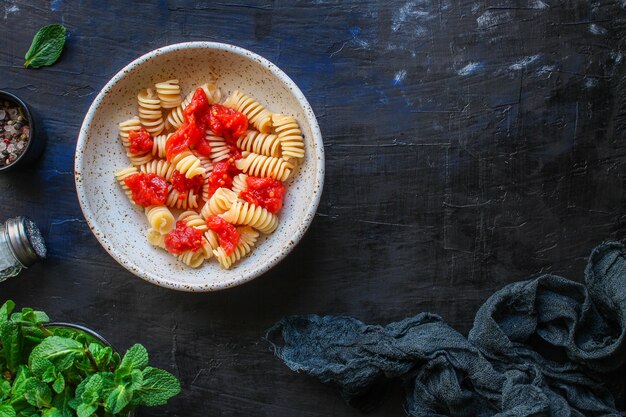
63, 372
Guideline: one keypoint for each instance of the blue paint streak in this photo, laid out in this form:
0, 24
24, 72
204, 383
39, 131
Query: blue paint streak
355, 31
55, 4
470, 68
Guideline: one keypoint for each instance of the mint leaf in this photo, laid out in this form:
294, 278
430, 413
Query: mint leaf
59, 384
37, 393
85, 410
5, 311
58, 350
101, 354
11, 335
7, 411
18, 389
135, 358
158, 386
46, 47
30, 316
118, 399
62, 403
5, 389
52, 412
93, 389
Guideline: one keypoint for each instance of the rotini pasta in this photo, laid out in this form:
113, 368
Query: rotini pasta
236, 177
188, 164
160, 218
183, 201
169, 93
244, 213
257, 115
193, 219
121, 175
240, 183
290, 136
247, 239
159, 167
150, 114
264, 166
219, 202
220, 150
261, 143
158, 148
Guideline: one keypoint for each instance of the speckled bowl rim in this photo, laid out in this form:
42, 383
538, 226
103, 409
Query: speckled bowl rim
290, 242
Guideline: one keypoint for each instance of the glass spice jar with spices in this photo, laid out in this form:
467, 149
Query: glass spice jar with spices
21, 246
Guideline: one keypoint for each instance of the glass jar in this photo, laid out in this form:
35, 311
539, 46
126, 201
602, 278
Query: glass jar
21, 246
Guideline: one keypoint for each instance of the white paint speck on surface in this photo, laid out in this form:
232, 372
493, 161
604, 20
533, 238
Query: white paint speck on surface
469, 69
597, 30
408, 13
524, 62
10, 8
399, 77
492, 18
546, 69
617, 56
591, 82
538, 4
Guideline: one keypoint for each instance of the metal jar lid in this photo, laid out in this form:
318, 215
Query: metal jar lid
25, 240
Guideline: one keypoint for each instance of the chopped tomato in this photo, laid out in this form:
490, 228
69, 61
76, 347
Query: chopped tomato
186, 136
222, 175
147, 189
203, 147
184, 184
198, 107
227, 234
264, 192
227, 123
183, 238
140, 141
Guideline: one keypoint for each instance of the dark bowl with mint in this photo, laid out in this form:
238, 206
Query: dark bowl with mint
20, 139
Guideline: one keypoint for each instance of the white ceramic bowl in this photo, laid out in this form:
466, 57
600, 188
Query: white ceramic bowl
121, 229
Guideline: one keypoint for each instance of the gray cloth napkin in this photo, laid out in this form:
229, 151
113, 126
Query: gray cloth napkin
543, 347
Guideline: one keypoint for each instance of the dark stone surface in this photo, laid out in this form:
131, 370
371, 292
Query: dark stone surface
469, 144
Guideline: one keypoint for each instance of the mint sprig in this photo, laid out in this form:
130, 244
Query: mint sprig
61, 372
46, 47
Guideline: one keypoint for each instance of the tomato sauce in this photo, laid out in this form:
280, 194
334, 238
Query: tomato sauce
183, 184
227, 234
183, 238
264, 192
140, 141
227, 123
222, 175
200, 115
147, 189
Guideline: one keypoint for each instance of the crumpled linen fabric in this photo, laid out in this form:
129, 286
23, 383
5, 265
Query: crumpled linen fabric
547, 346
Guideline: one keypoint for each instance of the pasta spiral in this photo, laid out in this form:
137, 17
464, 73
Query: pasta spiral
244, 213
193, 219
158, 148
261, 143
220, 150
133, 124
290, 136
121, 175
176, 117
183, 201
240, 183
247, 239
155, 238
150, 114
219, 202
188, 164
257, 115
264, 166
126, 126
160, 218
169, 93
191, 258
159, 167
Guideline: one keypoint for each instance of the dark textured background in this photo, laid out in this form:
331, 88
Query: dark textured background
469, 144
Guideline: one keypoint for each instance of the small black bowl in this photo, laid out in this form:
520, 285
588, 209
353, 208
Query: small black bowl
36, 141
